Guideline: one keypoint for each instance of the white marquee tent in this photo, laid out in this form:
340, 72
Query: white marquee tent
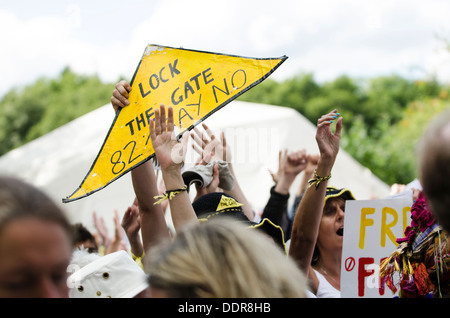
59, 161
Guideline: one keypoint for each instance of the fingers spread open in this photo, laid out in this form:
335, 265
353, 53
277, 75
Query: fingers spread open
157, 122
200, 138
170, 125
209, 131
184, 140
162, 118
198, 142
197, 149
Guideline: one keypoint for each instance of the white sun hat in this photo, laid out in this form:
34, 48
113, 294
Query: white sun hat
114, 275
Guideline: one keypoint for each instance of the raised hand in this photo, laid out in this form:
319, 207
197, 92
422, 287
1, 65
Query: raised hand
131, 222
209, 147
327, 141
169, 152
289, 164
295, 162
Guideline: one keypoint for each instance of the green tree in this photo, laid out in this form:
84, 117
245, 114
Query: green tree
376, 112
390, 95
34, 110
391, 154
266, 92
293, 92
398, 143
342, 93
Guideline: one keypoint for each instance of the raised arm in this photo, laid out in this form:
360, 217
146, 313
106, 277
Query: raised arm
308, 173
276, 208
153, 224
170, 154
307, 219
131, 223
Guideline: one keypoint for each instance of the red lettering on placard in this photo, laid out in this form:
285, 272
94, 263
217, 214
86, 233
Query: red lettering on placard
363, 273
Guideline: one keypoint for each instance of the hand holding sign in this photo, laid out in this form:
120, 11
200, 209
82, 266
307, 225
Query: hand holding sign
120, 95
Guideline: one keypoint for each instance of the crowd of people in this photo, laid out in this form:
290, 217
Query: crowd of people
218, 246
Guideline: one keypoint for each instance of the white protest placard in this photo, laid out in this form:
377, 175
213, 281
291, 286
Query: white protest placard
371, 228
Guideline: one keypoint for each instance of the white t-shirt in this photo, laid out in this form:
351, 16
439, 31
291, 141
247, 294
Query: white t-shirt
325, 289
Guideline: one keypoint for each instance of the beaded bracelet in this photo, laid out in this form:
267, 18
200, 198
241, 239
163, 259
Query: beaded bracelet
317, 180
169, 195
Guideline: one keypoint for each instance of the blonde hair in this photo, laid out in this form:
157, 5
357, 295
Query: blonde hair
223, 259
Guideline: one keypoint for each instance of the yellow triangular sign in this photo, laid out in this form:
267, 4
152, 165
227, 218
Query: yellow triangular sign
195, 83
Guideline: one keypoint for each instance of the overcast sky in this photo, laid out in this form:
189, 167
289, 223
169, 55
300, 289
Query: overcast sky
359, 38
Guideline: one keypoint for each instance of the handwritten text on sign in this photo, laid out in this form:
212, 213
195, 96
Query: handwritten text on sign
370, 232
196, 84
